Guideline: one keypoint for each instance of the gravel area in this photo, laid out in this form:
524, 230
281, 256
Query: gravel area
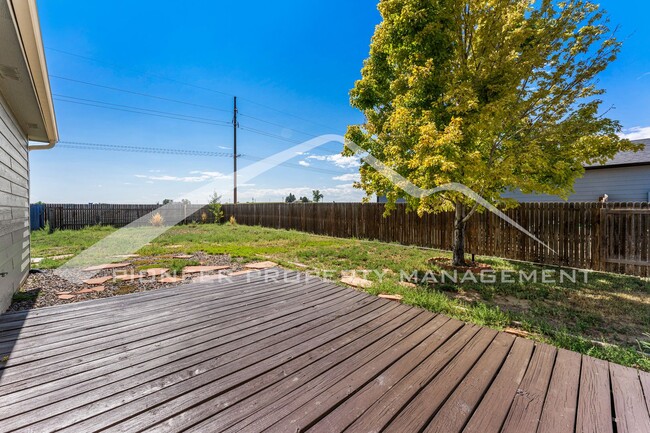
44, 288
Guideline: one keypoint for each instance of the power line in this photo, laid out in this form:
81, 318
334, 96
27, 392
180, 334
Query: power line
140, 149
139, 71
185, 152
132, 92
136, 111
288, 140
189, 85
278, 125
140, 108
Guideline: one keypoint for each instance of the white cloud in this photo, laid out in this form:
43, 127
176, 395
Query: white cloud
350, 177
338, 160
636, 133
200, 176
304, 163
155, 171
338, 193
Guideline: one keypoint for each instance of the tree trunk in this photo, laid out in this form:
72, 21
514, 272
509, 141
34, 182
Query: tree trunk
459, 236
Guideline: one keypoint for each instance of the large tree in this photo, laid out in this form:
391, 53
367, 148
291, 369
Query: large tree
493, 94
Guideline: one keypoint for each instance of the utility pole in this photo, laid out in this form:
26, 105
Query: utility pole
234, 157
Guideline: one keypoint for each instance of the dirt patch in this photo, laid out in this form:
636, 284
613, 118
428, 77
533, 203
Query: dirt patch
473, 267
512, 304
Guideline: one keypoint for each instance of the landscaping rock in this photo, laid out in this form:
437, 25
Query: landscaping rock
182, 256
356, 282
98, 289
408, 285
36, 260
66, 297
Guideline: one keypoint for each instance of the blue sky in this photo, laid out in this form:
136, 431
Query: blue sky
291, 64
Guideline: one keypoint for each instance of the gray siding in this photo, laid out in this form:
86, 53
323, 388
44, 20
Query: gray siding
14, 206
622, 184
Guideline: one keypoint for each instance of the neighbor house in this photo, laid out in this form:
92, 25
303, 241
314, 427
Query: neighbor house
26, 116
624, 178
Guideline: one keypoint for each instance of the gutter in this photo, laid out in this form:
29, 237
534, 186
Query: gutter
47, 146
29, 31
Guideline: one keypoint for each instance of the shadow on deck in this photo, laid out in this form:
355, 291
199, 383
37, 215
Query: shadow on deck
299, 354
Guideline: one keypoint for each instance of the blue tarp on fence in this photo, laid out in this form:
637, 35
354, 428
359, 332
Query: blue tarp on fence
36, 216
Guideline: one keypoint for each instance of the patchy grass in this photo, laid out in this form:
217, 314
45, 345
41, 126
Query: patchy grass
25, 296
607, 317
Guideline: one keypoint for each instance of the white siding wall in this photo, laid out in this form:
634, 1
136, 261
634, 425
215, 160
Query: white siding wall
14, 206
623, 184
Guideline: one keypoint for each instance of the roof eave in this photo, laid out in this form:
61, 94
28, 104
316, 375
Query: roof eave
29, 31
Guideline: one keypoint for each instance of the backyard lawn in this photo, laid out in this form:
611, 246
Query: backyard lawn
607, 317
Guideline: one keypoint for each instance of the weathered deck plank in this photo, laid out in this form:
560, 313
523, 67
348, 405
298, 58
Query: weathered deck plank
259, 355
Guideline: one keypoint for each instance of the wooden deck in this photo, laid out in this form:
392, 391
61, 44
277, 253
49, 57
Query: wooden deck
260, 356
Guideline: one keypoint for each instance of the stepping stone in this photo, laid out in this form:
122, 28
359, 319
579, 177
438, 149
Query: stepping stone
517, 332
156, 272
66, 297
199, 269
36, 260
86, 291
261, 265
182, 256
127, 256
170, 280
62, 293
130, 277
391, 297
300, 265
107, 266
97, 281
208, 278
174, 246
234, 274
407, 285
98, 289
61, 257
356, 282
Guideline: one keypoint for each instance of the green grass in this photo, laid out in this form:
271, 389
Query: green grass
607, 317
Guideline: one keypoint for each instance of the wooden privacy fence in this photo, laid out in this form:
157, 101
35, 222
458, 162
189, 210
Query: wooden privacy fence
78, 216
612, 237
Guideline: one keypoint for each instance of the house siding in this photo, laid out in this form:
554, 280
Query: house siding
14, 206
621, 184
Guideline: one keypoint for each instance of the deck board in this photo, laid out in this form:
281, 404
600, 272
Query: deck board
256, 354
